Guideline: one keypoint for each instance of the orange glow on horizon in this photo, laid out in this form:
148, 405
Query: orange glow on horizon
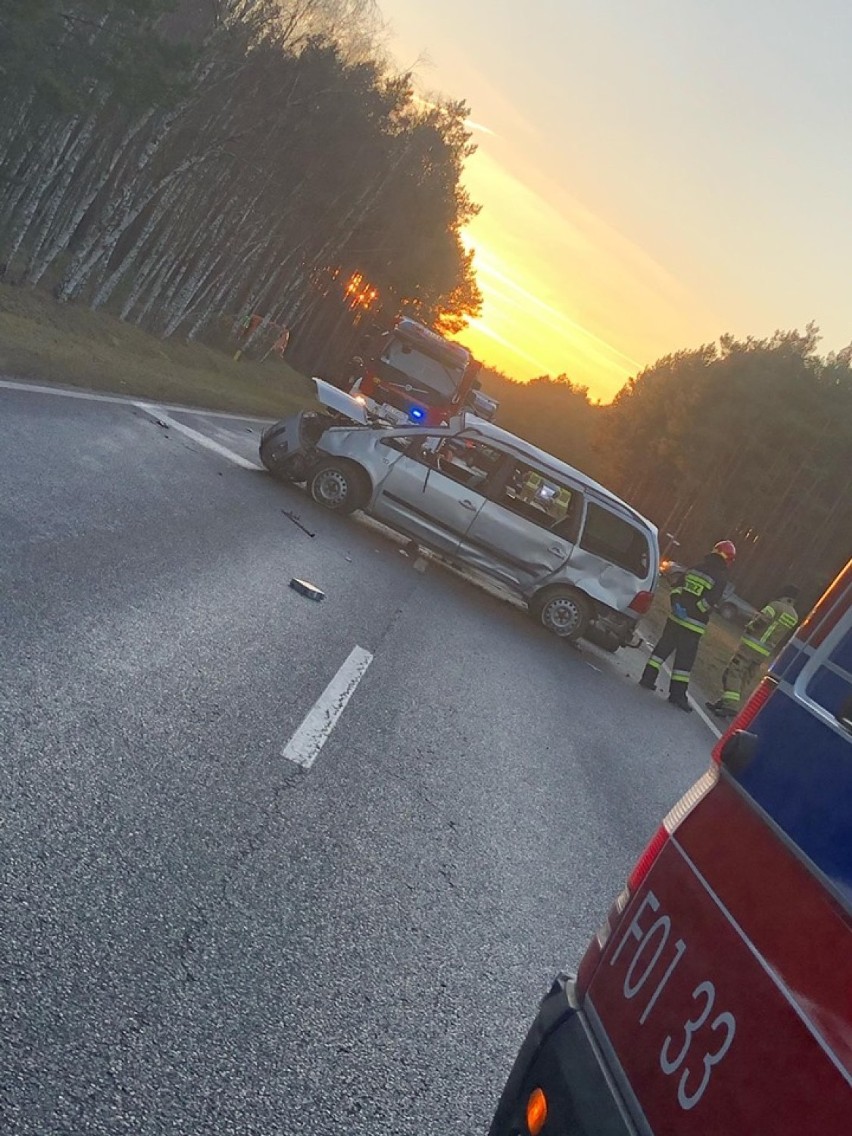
524, 336
564, 291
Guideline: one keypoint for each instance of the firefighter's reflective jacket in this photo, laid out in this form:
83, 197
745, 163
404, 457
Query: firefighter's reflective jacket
765, 633
700, 591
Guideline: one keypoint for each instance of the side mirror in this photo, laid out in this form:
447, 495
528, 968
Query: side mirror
738, 751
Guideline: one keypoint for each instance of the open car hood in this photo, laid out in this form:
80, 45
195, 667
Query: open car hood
338, 400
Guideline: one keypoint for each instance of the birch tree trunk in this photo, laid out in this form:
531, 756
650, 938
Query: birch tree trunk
103, 162
129, 261
58, 139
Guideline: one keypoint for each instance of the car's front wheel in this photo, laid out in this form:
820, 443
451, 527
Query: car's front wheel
563, 611
339, 486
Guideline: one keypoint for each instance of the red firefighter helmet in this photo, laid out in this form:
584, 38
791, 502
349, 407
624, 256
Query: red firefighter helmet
727, 550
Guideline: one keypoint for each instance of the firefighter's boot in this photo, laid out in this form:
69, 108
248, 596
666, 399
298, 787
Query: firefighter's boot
679, 699
719, 709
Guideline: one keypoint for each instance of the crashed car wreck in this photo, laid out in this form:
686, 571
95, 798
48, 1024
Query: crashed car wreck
582, 559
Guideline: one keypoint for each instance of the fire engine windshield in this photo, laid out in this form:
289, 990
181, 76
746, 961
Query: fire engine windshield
407, 366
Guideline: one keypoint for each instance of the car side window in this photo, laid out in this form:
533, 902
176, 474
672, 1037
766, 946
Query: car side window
542, 499
615, 539
465, 460
468, 462
411, 444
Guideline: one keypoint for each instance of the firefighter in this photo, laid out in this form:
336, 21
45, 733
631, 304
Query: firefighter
764, 635
692, 601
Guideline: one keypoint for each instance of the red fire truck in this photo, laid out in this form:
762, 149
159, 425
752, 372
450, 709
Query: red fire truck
412, 374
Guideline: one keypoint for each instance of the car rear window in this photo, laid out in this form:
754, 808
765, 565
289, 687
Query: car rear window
615, 539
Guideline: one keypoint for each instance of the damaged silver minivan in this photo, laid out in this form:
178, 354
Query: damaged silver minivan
583, 560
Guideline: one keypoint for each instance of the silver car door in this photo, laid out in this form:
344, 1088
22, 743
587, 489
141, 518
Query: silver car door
431, 496
528, 531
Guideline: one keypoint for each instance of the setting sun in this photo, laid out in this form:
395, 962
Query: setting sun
563, 292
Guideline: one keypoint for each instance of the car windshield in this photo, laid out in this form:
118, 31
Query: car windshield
407, 366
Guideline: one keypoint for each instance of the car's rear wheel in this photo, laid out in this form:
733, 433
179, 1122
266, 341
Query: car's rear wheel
562, 611
339, 486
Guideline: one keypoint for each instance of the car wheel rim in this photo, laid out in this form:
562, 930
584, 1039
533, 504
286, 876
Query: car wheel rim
561, 615
331, 488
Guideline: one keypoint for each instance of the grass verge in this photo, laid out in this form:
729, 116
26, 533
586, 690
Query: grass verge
46, 341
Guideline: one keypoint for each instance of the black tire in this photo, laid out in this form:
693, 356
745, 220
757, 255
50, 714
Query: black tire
563, 611
339, 485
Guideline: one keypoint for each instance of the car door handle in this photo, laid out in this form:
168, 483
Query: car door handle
558, 550
465, 504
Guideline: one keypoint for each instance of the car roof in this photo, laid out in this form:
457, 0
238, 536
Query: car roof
524, 449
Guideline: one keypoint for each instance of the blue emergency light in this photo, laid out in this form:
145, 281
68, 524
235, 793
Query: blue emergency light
417, 414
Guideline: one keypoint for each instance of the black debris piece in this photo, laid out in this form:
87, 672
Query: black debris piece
294, 517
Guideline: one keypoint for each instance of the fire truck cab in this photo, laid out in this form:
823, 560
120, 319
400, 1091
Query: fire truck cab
414, 375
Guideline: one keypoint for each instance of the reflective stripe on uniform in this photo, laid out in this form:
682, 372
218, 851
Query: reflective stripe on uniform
680, 676
692, 574
778, 624
692, 624
655, 662
731, 697
696, 584
754, 645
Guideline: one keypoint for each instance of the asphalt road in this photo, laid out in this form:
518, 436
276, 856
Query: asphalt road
200, 936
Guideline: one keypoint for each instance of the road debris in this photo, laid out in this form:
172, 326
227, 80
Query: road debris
310, 591
294, 517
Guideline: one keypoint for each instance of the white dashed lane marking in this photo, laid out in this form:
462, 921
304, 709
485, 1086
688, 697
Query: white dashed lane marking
305, 745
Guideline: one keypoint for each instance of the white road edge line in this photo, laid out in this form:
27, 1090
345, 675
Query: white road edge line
124, 400
305, 745
202, 439
709, 723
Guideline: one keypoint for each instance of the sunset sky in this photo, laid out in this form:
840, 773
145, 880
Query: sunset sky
652, 172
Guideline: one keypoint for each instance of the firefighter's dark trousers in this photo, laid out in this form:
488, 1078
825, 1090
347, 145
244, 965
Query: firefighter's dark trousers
683, 643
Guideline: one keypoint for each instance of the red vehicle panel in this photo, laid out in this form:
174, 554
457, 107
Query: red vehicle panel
693, 1013
717, 994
